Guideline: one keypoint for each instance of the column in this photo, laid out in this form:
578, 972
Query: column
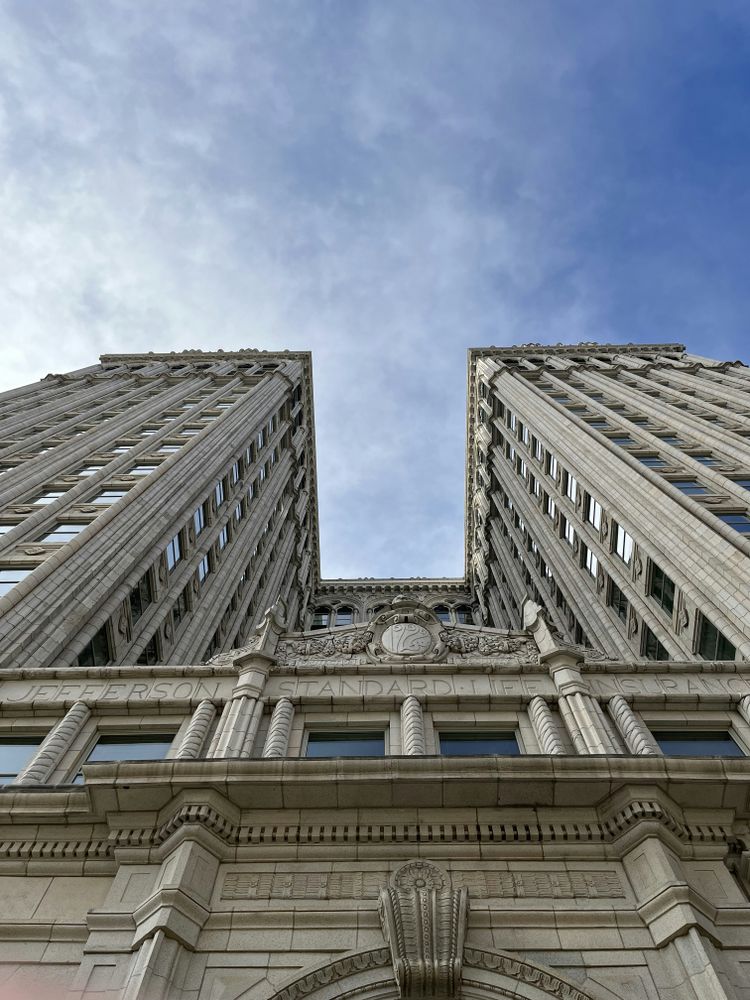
57, 742
412, 727
279, 729
744, 708
240, 719
580, 711
543, 724
195, 735
637, 736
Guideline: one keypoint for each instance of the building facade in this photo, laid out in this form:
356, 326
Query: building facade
495, 786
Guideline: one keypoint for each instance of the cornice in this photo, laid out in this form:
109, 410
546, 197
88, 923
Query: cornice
583, 348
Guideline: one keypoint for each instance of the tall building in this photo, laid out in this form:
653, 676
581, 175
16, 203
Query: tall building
225, 778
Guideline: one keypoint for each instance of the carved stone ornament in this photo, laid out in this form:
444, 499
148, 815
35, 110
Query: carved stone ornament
34, 550
424, 923
406, 638
466, 642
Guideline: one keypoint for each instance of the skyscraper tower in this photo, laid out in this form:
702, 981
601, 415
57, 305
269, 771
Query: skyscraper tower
153, 506
612, 484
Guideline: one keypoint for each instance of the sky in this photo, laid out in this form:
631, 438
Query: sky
385, 184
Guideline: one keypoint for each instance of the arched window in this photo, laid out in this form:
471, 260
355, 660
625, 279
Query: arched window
377, 609
321, 618
344, 616
442, 613
464, 615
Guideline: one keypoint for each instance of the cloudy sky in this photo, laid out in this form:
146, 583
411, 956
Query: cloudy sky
385, 183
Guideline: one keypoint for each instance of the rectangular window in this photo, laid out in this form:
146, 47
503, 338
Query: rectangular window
204, 568
250, 454
590, 561
552, 466
571, 487
108, 497
260, 441
10, 577
174, 553
652, 648
743, 483
223, 537
96, 653
141, 470
569, 532
618, 602
199, 519
538, 449
690, 487
180, 608
550, 508
677, 743
88, 470
712, 645
623, 544
473, 744
140, 597
652, 462
661, 588
15, 753
150, 654
235, 473
594, 513
238, 513
50, 497
623, 441
348, 744
63, 533
671, 439
140, 746
705, 459
168, 449
219, 493
739, 522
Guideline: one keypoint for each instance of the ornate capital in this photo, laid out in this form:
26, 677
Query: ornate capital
424, 923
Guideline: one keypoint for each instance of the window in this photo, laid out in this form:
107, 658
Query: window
180, 608
168, 449
237, 514
250, 454
204, 568
550, 508
174, 553
599, 425
538, 449
681, 743
712, 645
744, 483
464, 615
140, 746
63, 533
108, 497
571, 487
140, 597
88, 470
96, 653
344, 616
472, 744
235, 472
199, 519
661, 588
569, 532
705, 459
740, 522
150, 654
349, 744
321, 618
671, 439
652, 648
623, 544
618, 601
50, 497
223, 537
10, 577
260, 441
15, 753
690, 487
623, 441
594, 513
590, 561
552, 466
442, 613
652, 462
219, 493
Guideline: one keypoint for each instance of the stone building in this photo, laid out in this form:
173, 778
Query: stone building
531, 782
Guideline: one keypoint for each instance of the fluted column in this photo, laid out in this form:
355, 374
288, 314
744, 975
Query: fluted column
579, 710
57, 742
744, 708
238, 725
412, 727
279, 729
637, 736
195, 735
543, 724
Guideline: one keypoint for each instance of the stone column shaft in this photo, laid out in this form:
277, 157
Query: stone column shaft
197, 730
55, 745
744, 708
543, 724
584, 720
412, 727
279, 729
637, 737
237, 727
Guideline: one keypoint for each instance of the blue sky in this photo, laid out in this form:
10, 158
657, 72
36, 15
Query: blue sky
384, 183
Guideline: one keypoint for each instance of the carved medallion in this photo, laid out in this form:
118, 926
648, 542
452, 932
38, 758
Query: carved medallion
406, 638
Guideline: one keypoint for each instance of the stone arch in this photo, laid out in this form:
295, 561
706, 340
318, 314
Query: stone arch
487, 975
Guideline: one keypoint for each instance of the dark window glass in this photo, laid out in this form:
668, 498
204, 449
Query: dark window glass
204, 568
140, 597
740, 522
475, 744
712, 645
63, 533
180, 608
464, 615
705, 459
690, 487
97, 652
662, 588
624, 442
146, 746
744, 483
652, 648
174, 553
442, 613
671, 439
321, 618
344, 616
350, 744
619, 602
15, 754
150, 654
199, 519
652, 463
706, 744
